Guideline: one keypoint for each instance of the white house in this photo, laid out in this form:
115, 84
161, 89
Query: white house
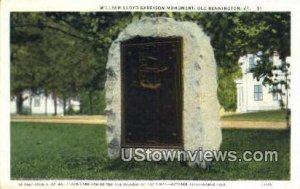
40, 104
252, 95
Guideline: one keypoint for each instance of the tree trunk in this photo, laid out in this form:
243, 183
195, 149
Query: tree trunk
81, 106
19, 102
46, 101
30, 104
91, 103
70, 108
64, 105
55, 104
287, 111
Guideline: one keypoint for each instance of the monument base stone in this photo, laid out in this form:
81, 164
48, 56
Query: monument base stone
200, 106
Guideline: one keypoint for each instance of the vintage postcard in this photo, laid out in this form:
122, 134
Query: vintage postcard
108, 94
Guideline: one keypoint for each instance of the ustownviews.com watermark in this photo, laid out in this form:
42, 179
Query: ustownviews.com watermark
146, 154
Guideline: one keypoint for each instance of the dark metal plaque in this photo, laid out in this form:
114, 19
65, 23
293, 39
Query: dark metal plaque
151, 92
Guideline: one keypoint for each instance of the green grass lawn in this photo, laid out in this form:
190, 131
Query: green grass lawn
272, 116
65, 151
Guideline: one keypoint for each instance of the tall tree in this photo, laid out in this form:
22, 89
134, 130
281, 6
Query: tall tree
25, 61
59, 63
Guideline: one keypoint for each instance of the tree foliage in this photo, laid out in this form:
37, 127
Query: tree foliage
54, 63
65, 54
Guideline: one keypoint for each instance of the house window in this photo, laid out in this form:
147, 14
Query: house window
37, 102
258, 93
275, 96
275, 92
251, 62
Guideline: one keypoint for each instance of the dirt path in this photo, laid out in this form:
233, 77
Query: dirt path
61, 119
253, 125
102, 120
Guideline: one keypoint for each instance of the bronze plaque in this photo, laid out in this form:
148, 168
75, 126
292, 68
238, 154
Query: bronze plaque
151, 92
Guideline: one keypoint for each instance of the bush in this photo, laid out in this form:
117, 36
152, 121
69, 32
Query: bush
93, 103
26, 111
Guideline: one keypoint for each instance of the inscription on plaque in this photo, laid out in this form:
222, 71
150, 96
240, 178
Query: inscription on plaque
151, 92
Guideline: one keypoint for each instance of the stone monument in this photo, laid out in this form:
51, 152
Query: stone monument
161, 88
